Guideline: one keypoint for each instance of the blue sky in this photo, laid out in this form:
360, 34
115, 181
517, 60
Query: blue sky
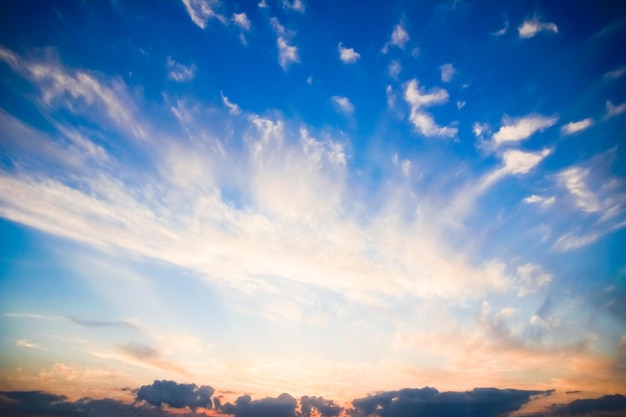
314, 198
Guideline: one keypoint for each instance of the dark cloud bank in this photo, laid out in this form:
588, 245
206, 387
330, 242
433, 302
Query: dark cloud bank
170, 399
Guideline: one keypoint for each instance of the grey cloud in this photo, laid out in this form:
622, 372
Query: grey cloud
282, 406
176, 395
608, 406
326, 408
429, 402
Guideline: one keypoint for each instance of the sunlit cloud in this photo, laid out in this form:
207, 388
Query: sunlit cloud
531, 27
348, 55
575, 127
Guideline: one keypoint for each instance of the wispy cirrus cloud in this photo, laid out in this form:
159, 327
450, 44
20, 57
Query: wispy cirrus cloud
575, 127
613, 110
179, 72
531, 27
201, 11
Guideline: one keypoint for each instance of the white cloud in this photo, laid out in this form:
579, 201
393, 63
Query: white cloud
616, 73
575, 127
480, 128
343, 104
179, 72
515, 130
531, 277
519, 162
399, 38
348, 55
241, 20
296, 5
232, 107
574, 180
460, 104
542, 201
531, 27
25, 343
447, 72
287, 54
417, 98
503, 30
613, 110
99, 99
394, 69
201, 11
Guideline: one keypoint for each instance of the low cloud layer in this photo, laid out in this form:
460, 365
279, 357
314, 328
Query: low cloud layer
159, 398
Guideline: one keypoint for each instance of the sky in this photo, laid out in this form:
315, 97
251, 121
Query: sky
293, 207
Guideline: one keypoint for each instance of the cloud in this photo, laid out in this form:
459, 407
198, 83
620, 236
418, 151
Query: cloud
447, 72
295, 5
348, 55
176, 395
25, 343
542, 201
80, 92
531, 277
429, 402
343, 104
418, 98
201, 11
287, 54
394, 69
503, 30
232, 107
531, 27
179, 72
282, 406
325, 408
519, 162
241, 20
399, 38
575, 127
608, 405
574, 179
616, 73
518, 129
613, 110
145, 356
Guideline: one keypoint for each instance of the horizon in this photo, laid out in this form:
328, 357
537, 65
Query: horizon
296, 207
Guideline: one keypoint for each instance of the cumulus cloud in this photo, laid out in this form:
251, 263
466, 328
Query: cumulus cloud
575, 127
287, 54
394, 69
325, 408
518, 129
418, 98
613, 110
176, 395
201, 11
179, 72
399, 38
447, 72
429, 402
282, 406
348, 55
241, 20
295, 5
343, 105
533, 26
